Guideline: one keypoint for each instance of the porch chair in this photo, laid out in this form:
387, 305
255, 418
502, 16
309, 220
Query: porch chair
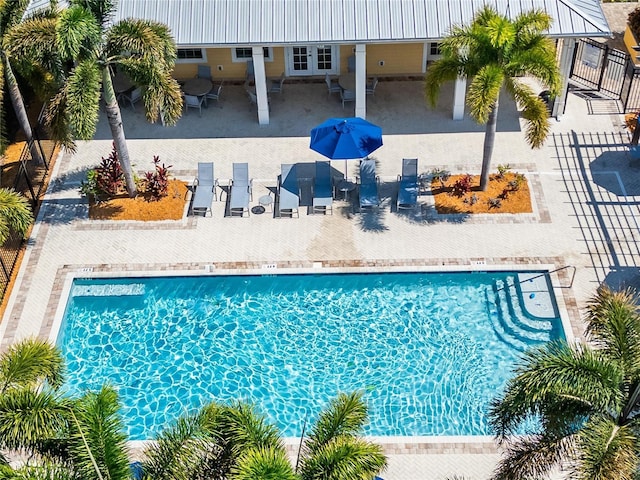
204, 71
332, 85
253, 99
347, 96
214, 93
191, 101
132, 97
370, 88
276, 84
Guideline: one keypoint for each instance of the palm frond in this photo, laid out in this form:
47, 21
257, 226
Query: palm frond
559, 373
32, 47
607, 450
534, 112
500, 32
83, 99
163, 96
613, 324
533, 456
532, 23
181, 450
263, 463
11, 12
241, 428
142, 40
97, 436
27, 418
484, 91
438, 73
345, 415
344, 458
101, 10
44, 469
78, 34
30, 362
56, 121
15, 213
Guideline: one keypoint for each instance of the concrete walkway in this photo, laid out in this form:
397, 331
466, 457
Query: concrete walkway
586, 195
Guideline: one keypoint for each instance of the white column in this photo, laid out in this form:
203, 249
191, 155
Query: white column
261, 85
361, 80
564, 64
459, 97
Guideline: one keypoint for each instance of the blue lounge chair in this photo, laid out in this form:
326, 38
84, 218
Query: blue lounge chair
288, 192
368, 190
241, 189
204, 186
408, 184
323, 188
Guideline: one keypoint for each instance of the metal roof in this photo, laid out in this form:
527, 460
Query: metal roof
288, 22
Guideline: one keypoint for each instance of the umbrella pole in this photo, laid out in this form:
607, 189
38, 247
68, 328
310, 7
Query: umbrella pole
346, 177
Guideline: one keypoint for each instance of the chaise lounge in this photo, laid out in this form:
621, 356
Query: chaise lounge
322, 188
408, 184
241, 190
204, 186
368, 191
288, 192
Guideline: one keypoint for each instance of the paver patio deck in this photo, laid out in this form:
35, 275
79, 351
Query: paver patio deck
586, 199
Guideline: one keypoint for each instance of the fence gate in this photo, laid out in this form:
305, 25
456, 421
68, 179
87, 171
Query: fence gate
599, 67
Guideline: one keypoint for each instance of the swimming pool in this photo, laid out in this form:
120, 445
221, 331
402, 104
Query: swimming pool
429, 350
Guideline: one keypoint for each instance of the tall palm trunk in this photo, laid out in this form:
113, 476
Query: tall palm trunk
20, 110
117, 130
489, 141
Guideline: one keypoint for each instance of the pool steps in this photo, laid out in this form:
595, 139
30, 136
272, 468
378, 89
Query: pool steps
108, 290
510, 322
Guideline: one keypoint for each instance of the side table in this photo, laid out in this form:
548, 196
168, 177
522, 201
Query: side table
266, 201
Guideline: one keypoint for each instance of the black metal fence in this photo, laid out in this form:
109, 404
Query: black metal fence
609, 71
28, 177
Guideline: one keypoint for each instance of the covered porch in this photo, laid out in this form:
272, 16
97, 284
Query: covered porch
398, 106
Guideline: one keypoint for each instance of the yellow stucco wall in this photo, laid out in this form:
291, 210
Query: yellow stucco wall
230, 70
399, 58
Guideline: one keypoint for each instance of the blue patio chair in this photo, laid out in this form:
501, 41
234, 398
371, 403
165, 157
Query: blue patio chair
408, 184
368, 191
332, 85
241, 189
322, 188
347, 96
204, 71
204, 186
288, 191
277, 84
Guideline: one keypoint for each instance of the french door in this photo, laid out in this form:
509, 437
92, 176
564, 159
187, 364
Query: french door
305, 60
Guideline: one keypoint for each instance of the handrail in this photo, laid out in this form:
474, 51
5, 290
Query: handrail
573, 276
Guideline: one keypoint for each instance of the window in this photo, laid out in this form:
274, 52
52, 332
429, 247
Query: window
242, 54
434, 48
191, 55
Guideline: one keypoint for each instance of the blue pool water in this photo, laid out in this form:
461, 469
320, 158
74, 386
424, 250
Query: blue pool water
429, 351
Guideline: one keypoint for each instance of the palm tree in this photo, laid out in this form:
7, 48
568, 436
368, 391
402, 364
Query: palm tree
11, 12
494, 52
141, 49
577, 404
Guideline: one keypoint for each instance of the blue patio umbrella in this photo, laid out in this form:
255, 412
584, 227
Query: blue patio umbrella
346, 138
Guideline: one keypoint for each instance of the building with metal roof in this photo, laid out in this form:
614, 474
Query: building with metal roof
239, 39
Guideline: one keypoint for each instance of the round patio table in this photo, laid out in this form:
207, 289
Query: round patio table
347, 81
197, 86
